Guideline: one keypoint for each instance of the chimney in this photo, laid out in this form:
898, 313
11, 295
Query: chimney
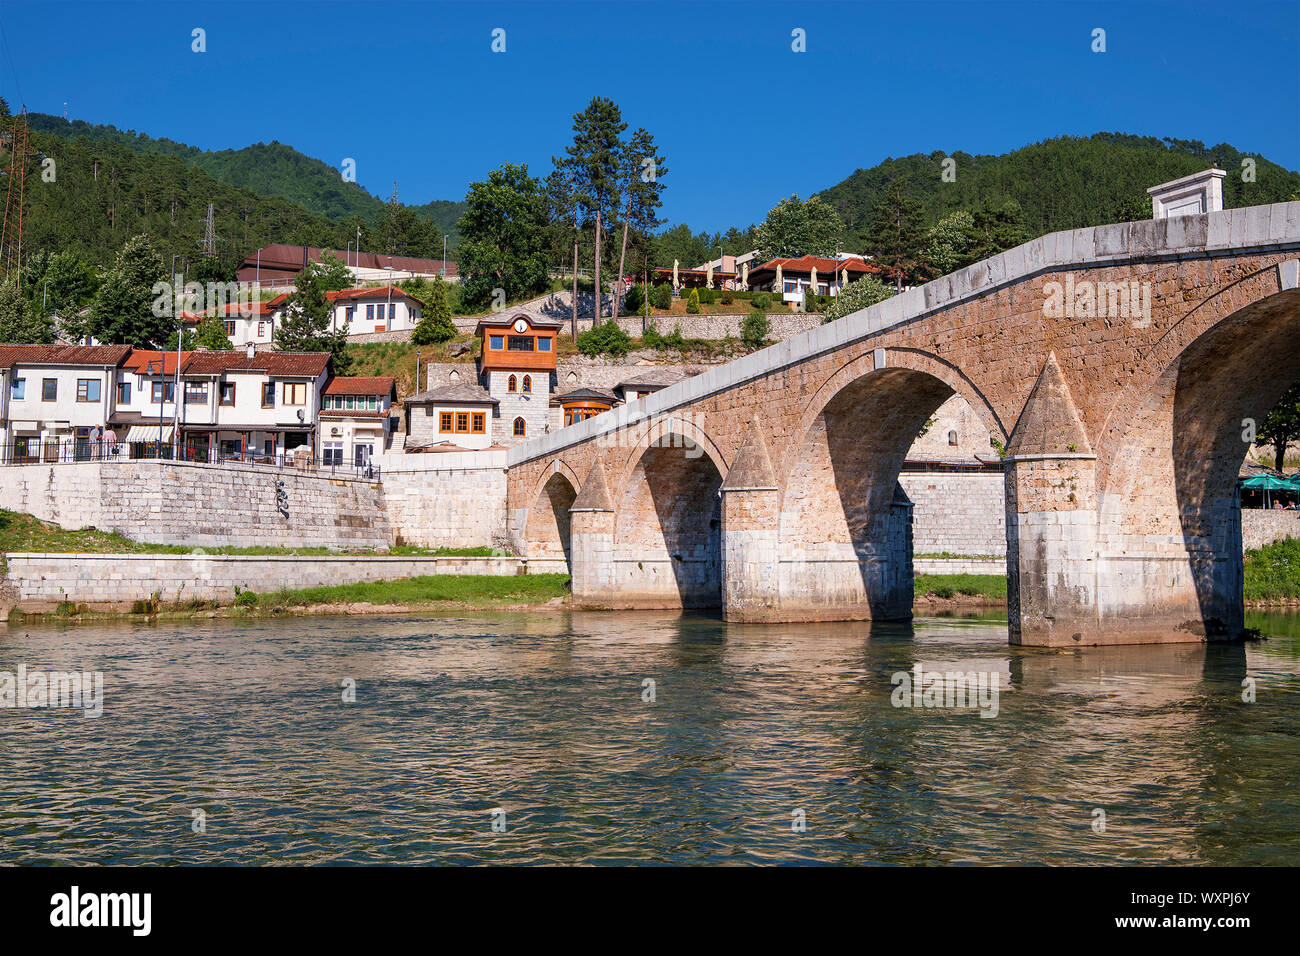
250, 349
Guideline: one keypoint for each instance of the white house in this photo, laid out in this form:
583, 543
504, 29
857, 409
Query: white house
381, 309
450, 418
251, 403
355, 418
55, 400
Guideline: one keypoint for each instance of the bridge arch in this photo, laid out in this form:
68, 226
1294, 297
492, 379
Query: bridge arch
844, 534
667, 518
547, 527
1169, 518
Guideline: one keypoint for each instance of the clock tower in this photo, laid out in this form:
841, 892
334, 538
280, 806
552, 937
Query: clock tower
517, 366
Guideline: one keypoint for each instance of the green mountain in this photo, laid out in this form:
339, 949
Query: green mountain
267, 169
103, 193
1062, 183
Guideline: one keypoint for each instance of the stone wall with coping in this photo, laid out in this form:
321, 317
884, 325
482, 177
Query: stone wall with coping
957, 512
37, 579
462, 505
201, 505
1261, 526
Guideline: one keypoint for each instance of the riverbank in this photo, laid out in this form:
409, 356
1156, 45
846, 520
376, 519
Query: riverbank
935, 592
435, 592
25, 533
1272, 575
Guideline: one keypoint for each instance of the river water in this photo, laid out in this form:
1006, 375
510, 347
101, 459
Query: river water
761, 744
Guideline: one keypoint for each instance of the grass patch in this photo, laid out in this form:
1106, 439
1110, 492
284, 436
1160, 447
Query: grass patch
1272, 573
477, 589
22, 532
963, 557
992, 586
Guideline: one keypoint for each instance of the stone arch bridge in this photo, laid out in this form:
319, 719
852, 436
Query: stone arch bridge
1119, 365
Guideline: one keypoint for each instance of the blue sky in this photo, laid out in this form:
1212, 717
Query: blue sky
413, 92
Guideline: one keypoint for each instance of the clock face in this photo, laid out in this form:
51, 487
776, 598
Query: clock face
521, 326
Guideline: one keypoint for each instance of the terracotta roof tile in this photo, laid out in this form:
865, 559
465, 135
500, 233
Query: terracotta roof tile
283, 364
63, 354
360, 385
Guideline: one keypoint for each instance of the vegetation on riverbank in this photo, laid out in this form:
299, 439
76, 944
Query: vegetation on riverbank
987, 588
23, 532
1273, 573
428, 592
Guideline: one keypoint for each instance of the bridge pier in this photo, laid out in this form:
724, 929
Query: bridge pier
591, 541
751, 535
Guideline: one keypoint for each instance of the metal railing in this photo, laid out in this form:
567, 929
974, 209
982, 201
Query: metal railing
75, 450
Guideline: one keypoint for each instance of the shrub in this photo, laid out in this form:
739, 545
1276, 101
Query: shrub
693, 302
707, 296
634, 300
809, 300
435, 324
761, 300
608, 338
663, 297
728, 297
755, 328
245, 598
857, 295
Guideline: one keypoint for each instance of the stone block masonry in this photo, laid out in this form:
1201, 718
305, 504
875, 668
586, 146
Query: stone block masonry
463, 506
957, 512
202, 505
40, 579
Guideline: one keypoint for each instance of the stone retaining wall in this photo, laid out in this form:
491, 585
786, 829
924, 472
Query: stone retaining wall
957, 512
461, 506
35, 579
201, 505
1260, 526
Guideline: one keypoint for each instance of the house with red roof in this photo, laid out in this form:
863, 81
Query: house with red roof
792, 278
356, 418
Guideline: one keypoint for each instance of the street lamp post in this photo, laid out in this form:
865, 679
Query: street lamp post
162, 394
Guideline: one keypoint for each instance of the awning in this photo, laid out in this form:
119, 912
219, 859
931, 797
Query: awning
148, 433
26, 426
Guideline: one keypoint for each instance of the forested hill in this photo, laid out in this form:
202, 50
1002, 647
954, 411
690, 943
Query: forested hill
1062, 183
268, 169
103, 193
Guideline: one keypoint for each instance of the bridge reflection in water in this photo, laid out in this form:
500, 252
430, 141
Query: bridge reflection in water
545, 716
767, 486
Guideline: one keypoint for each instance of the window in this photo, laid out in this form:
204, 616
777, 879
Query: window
268, 394
392, 310
521, 428
124, 393
370, 312
462, 421
444, 422
497, 341
352, 402
268, 447
88, 389
163, 391
351, 313
512, 385
480, 423
361, 454
543, 343
295, 393
196, 393
371, 401
332, 453
528, 383
230, 328
952, 438
521, 343
50, 390
261, 330
227, 396
18, 389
